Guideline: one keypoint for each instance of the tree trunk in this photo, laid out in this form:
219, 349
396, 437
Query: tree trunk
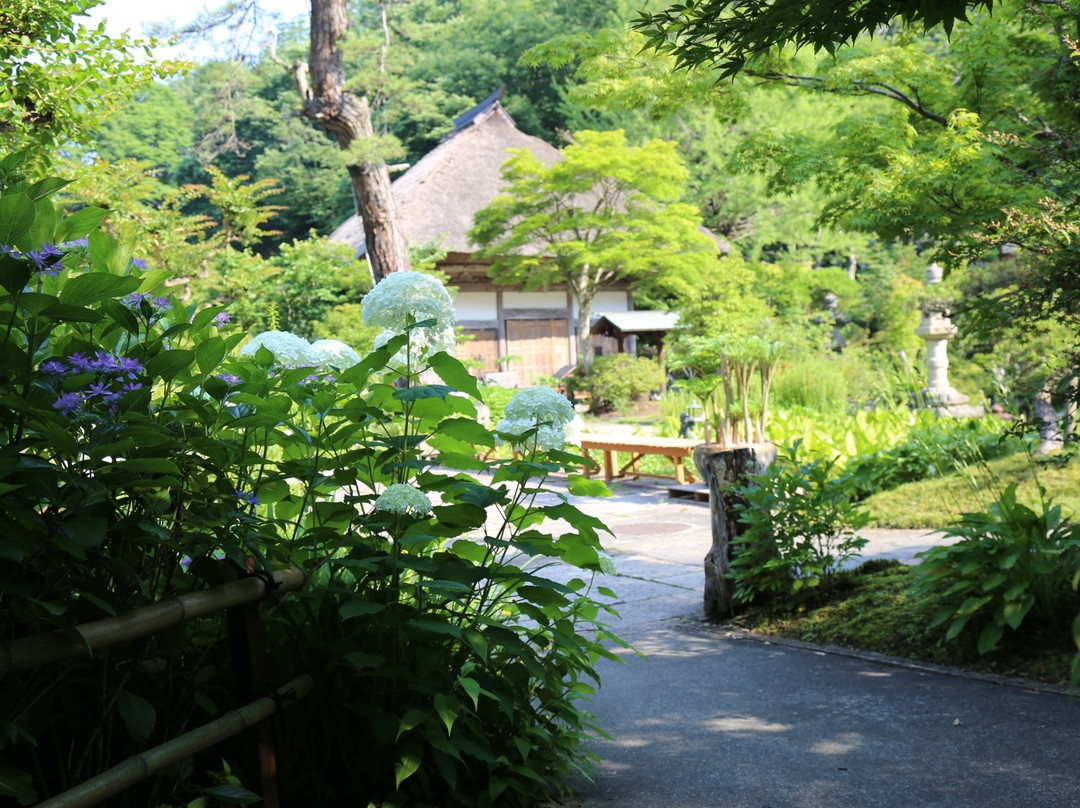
723, 469
586, 354
348, 118
1046, 420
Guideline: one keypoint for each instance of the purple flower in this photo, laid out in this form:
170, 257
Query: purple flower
81, 363
130, 367
158, 305
68, 403
79, 242
98, 389
105, 362
138, 263
248, 497
131, 387
220, 319
230, 379
330, 379
53, 368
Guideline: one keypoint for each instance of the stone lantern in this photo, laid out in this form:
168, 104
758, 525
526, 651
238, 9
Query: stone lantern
937, 329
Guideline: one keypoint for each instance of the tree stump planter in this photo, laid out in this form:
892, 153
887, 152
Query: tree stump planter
723, 468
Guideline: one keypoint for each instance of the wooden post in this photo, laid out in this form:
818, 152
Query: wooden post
722, 470
248, 654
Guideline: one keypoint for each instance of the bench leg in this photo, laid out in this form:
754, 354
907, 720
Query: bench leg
680, 472
609, 465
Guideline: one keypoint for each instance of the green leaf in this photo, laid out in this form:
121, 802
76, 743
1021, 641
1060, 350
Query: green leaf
364, 661
447, 708
17, 215
405, 767
436, 626
209, 354
16, 783
358, 608
472, 688
411, 720
106, 255
138, 715
90, 287
168, 364
989, 637
581, 486
72, 314
439, 391
232, 794
79, 224
454, 373
46, 187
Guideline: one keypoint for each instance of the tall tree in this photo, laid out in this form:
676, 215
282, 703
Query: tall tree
347, 118
607, 211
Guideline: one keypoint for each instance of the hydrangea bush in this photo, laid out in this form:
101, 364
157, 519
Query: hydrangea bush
144, 454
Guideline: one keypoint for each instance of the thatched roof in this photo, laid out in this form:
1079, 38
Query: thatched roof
438, 197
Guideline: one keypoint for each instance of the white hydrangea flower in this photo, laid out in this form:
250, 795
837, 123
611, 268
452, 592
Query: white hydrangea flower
287, 348
403, 298
423, 342
543, 409
403, 499
332, 353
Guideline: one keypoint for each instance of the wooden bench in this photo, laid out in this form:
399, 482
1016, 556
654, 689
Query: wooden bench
674, 449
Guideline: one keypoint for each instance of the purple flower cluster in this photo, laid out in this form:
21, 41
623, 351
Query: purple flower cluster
45, 260
248, 497
157, 305
230, 379
221, 319
114, 376
314, 378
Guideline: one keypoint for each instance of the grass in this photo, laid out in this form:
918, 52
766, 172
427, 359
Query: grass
872, 611
936, 502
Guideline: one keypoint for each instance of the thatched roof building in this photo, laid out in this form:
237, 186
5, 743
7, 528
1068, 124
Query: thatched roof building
438, 197
516, 335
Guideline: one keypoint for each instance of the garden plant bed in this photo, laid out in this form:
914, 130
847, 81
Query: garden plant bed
871, 610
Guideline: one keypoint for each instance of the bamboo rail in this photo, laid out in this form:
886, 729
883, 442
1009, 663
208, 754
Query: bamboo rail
138, 767
45, 649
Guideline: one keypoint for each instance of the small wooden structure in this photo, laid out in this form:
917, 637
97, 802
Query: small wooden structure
621, 325
674, 449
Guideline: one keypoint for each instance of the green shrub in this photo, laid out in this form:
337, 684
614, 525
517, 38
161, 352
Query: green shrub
140, 459
941, 448
617, 379
1010, 562
815, 383
800, 529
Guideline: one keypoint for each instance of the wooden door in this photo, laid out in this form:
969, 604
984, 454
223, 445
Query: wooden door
481, 353
538, 347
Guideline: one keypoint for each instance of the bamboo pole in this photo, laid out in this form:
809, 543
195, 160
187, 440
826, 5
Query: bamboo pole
139, 767
54, 646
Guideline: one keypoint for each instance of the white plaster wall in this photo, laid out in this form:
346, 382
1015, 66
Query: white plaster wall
607, 301
534, 300
475, 305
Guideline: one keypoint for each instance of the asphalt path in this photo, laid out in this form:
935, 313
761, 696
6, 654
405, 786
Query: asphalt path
711, 716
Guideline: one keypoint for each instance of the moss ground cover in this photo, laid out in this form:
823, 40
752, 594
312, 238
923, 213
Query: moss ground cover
872, 610
935, 502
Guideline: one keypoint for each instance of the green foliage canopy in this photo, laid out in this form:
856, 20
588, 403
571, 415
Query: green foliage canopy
58, 78
728, 33
608, 211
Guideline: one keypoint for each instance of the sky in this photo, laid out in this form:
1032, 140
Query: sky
131, 15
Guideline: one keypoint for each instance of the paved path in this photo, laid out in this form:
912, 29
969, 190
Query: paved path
709, 719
